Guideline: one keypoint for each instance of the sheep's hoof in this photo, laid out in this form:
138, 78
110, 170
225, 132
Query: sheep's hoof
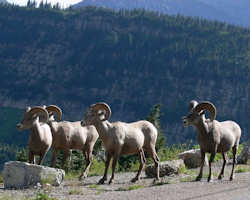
156, 180
221, 176
82, 177
198, 178
111, 181
134, 179
210, 179
231, 178
101, 181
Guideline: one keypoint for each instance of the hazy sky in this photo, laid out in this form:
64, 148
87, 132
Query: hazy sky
63, 3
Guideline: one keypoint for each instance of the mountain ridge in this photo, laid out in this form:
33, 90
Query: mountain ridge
224, 10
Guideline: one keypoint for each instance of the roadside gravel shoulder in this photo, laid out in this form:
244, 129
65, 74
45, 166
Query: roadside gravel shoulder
180, 187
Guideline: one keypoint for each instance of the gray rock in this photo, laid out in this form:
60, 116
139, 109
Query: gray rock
167, 168
192, 158
22, 175
245, 154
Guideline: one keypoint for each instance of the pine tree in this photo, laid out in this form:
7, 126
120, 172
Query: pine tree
22, 155
154, 118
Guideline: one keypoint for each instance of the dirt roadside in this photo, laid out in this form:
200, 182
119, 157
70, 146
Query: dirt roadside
181, 187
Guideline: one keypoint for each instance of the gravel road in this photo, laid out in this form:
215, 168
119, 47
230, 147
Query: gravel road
181, 187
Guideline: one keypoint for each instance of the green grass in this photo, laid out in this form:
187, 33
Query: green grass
161, 182
97, 168
187, 171
14, 197
171, 152
47, 181
93, 186
75, 192
242, 168
6, 197
71, 175
1, 178
97, 188
188, 178
129, 188
42, 196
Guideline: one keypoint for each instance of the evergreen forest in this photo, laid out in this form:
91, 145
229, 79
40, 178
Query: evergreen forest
132, 60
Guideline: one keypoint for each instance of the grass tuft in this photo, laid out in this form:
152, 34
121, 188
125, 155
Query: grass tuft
1, 178
188, 179
43, 196
75, 192
129, 188
242, 168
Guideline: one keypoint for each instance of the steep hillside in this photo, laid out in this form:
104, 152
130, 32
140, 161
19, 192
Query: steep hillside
230, 11
131, 60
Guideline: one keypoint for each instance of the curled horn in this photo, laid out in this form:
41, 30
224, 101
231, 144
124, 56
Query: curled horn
42, 111
207, 106
53, 109
103, 106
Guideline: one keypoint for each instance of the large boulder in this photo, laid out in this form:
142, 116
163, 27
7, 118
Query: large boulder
245, 154
22, 175
192, 158
167, 168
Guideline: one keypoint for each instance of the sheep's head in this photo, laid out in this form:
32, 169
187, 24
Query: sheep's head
31, 116
53, 111
96, 112
197, 111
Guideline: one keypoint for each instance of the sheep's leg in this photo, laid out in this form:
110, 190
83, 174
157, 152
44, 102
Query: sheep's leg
223, 166
210, 176
88, 158
104, 178
32, 158
66, 154
156, 160
199, 177
142, 162
53, 160
42, 156
235, 148
115, 159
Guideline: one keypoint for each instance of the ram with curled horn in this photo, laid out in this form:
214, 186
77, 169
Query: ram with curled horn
40, 138
70, 135
120, 138
213, 136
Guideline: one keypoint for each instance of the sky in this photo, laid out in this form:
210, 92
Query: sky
63, 3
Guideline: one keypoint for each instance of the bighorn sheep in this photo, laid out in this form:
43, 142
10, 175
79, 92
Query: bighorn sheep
71, 135
40, 139
213, 136
122, 138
